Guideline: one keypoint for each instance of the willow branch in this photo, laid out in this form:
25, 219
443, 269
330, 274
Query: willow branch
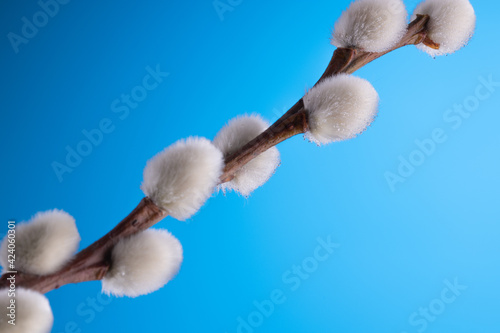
93, 262
294, 121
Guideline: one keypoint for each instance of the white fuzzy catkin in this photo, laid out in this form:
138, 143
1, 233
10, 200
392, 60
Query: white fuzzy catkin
183, 176
340, 108
43, 244
451, 24
238, 132
371, 25
32, 313
143, 263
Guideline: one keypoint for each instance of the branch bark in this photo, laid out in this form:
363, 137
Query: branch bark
294, 121
93, 262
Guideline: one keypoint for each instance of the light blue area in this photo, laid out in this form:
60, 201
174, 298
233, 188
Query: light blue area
399, 250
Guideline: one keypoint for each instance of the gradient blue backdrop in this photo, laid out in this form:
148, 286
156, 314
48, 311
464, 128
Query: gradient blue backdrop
397, 248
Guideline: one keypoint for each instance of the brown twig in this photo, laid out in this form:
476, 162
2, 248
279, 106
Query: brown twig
93, 262
294, 121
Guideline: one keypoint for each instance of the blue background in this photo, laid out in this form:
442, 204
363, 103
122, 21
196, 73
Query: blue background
397, 248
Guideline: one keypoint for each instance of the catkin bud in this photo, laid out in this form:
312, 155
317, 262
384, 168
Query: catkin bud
143, 263
340, 107
451, 24
371, 25
233, 136
183, 176
31, 312
43, 244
